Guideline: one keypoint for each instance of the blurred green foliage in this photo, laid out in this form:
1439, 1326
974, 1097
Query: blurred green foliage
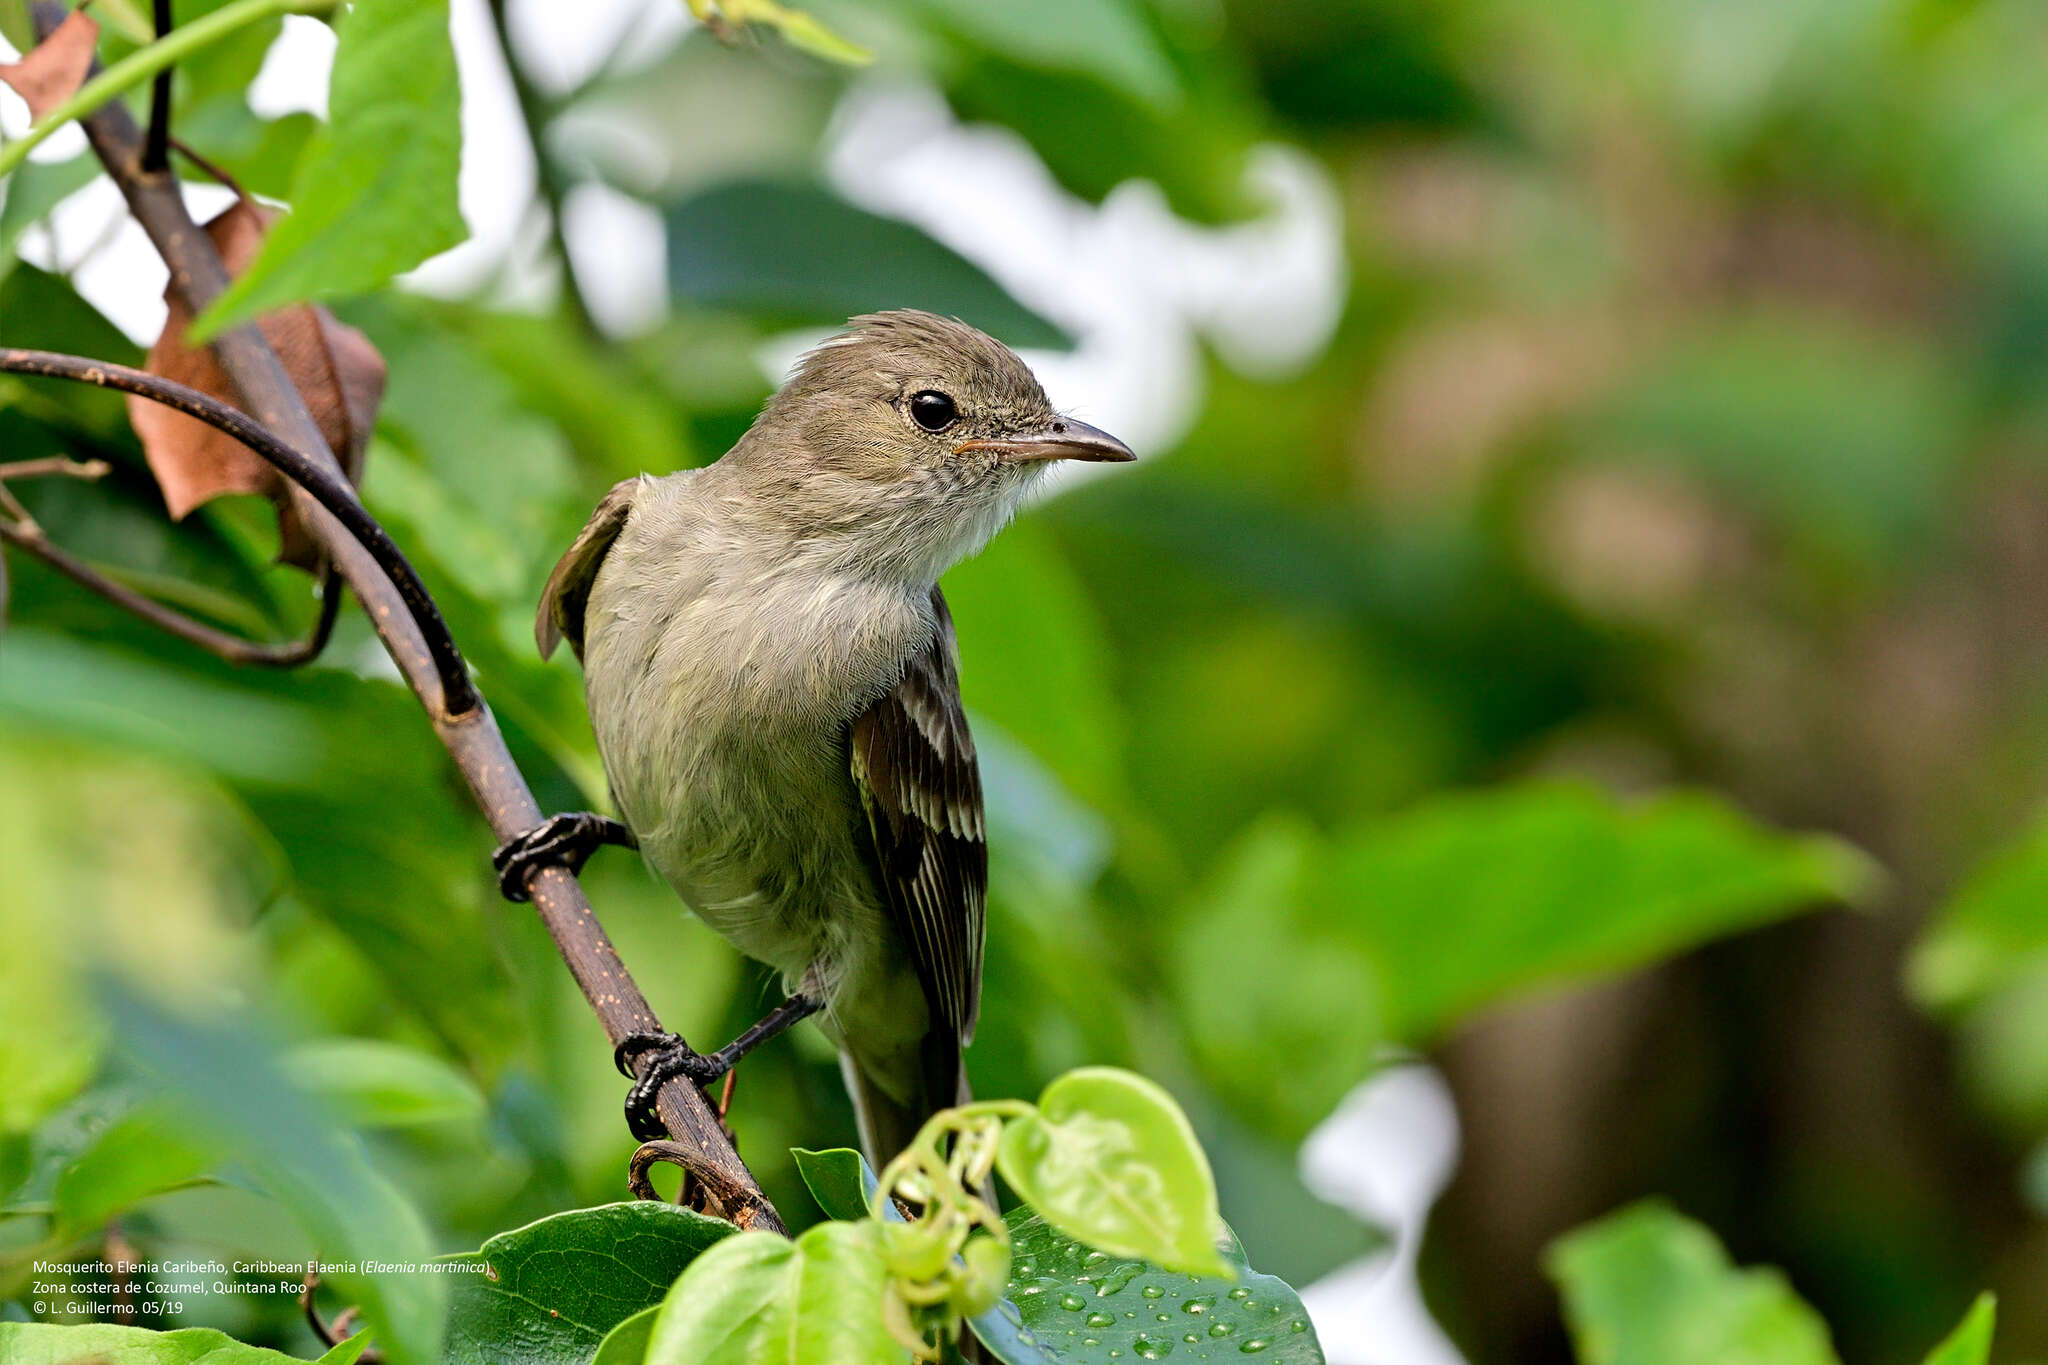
1673, 477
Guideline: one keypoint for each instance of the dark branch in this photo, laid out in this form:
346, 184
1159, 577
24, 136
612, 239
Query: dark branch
156, 150
220, 643
535, 111
328, 488
470, 736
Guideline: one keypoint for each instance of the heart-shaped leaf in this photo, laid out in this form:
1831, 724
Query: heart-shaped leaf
1070, 1304
550, 1292
757, 1299
839, 1179
1110, 1159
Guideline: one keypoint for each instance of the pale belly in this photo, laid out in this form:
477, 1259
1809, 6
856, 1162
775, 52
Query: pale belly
763, 839
721, 705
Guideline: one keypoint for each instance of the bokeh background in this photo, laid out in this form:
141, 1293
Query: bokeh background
1580, 441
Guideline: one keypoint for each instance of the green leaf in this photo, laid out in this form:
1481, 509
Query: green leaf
1112, 1160
809, 256
142, 1153
1109, 39
375, 190
376, 1084
1992, 932
554, 1289
1551, 881
34, 190
1036, 661
41, 1343
757, 1298
1256, 987
1536, 884
627, 1343
1970, 1343
838, 1179
1646, 1286
235, 1096
16, 25
1071, 1301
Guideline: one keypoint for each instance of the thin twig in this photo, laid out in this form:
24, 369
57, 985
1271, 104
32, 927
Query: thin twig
471, 737
54, 464
156, 147
213, 169
338, 1331
220, 643
328, 488
535, 111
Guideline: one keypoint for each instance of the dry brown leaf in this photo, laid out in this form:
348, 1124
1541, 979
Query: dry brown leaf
333, 366
54, 68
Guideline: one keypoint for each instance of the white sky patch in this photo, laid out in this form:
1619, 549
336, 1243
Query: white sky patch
499, 174
294, 75
620, 255
1385, 1154
1136, 285
562, 46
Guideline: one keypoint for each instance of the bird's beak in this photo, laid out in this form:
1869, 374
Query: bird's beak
1061, 439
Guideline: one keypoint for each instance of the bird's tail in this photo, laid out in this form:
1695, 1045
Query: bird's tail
888, 1124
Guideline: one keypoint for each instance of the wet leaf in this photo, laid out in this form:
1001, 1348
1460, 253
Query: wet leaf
54, 68
1110, 1159
1078, 1306
334, 367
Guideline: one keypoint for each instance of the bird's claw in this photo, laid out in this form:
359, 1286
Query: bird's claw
671, 1058
565, 840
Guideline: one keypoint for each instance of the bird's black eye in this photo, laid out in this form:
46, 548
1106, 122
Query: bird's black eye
933, 410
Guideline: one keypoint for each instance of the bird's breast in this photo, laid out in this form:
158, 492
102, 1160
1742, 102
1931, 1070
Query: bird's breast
721, 702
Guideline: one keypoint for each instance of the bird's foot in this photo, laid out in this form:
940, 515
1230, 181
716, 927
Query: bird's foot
565, 840
669, 1057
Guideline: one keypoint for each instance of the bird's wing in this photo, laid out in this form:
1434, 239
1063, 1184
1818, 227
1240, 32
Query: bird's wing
913, 762
568, 590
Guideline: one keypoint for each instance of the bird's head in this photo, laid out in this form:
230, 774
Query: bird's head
909, 439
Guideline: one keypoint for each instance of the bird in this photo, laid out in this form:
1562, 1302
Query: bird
773, 680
